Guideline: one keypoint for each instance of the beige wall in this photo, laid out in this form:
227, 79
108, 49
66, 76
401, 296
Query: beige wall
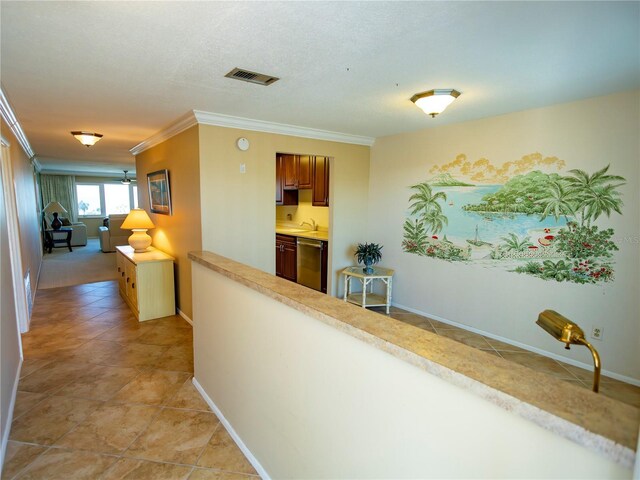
179, 233
28, 211
304, 211
238, 209
588, 135
310, 401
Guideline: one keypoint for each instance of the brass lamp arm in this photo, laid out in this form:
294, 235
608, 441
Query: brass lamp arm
596, 362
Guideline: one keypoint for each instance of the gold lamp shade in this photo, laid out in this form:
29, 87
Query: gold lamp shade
138, 220
563, 329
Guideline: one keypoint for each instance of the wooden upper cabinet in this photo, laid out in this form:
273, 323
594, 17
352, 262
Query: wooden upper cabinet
320, 196
305, 172
290, 164
298, 172
283, 197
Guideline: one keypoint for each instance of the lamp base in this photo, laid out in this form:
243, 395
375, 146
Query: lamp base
139, 240
56, 223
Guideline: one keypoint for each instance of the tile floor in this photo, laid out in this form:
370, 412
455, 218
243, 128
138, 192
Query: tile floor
102, 396
610, 387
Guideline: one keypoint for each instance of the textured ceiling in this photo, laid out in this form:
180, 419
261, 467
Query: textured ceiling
128, 69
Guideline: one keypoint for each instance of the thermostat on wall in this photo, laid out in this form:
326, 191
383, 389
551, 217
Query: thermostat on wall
243, 144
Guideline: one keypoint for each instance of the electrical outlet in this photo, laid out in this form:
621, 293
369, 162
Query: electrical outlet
597, 333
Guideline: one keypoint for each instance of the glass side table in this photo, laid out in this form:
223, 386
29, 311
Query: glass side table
368, 298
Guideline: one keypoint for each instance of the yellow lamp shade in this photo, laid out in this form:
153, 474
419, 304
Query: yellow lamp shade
137, 219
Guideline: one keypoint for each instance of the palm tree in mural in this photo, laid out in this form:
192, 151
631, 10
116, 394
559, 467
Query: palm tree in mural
558, 200
594, 194
425, 199
601, 200
425, 204
415, 237
513, 242
435, 220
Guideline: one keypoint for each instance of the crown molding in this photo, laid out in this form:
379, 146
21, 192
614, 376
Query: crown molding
188, 120
219, 120
36, 164
216, 119
9, 117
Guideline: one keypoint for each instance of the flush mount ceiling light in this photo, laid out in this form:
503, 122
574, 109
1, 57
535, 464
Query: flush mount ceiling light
87, 138
435, 101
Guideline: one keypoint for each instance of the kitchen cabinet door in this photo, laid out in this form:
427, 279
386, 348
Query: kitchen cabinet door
320, 195
283, 197
290, 164
305, 172
286, 257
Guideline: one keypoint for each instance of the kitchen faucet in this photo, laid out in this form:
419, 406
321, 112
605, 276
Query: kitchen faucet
313, 225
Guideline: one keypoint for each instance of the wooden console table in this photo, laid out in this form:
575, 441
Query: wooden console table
368, 299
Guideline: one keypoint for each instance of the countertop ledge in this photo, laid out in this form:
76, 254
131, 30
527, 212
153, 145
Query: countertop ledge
597, 422
314, 235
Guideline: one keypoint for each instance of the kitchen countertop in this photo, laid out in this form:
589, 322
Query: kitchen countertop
300, 232
596, 422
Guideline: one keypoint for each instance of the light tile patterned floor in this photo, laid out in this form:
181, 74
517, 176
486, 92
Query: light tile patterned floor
102, 396
610, 387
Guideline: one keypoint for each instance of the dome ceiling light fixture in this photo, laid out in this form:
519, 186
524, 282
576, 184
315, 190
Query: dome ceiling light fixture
126, 180
87, 138
435, 101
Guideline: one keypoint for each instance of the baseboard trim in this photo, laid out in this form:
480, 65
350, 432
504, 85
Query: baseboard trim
236, 438
183, 315
12, 404
524, 346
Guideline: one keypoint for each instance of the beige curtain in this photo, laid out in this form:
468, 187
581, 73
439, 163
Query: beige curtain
60, 188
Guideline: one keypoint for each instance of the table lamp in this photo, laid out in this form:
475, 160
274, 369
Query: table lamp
54, 208
138, 220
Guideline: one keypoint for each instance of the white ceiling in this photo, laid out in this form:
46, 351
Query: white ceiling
129, 69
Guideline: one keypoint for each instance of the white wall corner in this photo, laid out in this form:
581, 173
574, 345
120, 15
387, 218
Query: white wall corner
236, 438
12, 404
184, 315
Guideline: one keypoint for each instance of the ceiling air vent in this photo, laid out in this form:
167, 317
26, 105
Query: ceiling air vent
253, 77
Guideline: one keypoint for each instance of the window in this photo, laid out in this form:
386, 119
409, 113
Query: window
134, 189
101, 199
117, 198
89, 200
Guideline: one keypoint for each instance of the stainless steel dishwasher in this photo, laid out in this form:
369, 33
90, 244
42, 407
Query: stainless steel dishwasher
309, 262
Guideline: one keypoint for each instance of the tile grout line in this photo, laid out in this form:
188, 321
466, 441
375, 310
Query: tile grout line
26, 467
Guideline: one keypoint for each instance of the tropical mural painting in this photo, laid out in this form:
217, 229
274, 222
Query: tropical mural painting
524, 215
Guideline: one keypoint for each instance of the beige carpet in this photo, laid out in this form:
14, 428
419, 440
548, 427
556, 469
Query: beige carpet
88, 264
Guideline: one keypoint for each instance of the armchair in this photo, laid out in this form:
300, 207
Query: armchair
113, 235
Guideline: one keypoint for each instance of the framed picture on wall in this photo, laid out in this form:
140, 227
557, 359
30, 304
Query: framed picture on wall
159, 192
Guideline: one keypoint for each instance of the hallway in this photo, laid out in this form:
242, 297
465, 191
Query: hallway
104, 396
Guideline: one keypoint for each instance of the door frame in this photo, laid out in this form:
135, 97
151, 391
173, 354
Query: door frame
13, 226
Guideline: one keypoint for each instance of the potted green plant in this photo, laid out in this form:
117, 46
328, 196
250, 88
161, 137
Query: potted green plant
369, 254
